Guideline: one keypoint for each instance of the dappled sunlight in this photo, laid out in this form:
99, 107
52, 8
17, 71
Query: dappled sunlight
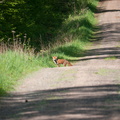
89, 102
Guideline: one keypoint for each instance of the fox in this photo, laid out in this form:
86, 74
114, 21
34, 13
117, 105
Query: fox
61, 61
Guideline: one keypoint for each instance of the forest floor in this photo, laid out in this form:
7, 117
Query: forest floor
89, 90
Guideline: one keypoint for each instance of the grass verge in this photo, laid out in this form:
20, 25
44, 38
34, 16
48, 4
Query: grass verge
76, 33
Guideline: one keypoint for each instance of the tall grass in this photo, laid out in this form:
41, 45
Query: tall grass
76, 34
17, 60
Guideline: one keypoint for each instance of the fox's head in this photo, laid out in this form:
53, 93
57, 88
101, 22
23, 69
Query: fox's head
54, 57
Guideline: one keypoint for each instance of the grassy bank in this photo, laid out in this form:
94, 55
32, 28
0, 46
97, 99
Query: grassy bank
73, 37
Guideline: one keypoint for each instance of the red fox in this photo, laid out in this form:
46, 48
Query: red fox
61, 61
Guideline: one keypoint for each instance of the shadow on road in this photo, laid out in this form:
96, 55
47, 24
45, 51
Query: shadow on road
109, 34
102, 10
95, 102
110, 31
112, 53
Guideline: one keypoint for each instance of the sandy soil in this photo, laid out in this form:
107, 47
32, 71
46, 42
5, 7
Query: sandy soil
89, 90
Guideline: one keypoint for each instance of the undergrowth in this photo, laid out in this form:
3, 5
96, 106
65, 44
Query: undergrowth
75, 34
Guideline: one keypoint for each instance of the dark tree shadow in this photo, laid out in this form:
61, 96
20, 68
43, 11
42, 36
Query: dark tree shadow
2, 92
95, 102
101, 10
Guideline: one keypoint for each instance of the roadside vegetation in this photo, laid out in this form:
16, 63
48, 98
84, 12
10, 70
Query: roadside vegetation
66, 34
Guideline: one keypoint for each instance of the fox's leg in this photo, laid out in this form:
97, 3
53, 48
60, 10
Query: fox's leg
65, 64
58, 65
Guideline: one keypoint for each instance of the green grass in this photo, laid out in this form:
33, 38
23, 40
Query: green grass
76, 33
118, 46
103, 71
111, 58
81, 28
13, 66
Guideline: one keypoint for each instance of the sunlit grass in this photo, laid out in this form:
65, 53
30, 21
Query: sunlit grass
111, 58
13, 66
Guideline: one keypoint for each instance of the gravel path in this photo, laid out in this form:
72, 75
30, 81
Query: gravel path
89, 90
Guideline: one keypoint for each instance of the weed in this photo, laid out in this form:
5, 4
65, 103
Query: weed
103, 72
118, 46
54, 98
106, 71
111, 58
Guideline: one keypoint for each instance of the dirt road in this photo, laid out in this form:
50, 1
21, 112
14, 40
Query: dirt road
87, 91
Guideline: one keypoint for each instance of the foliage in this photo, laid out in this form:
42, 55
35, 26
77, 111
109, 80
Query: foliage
39, 19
